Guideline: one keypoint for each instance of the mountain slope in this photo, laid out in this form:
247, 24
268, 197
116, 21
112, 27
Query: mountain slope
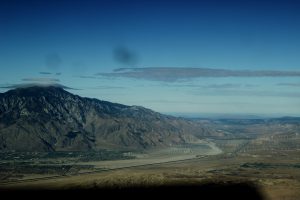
52, 119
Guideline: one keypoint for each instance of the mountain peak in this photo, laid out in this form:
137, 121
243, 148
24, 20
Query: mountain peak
48, 118
40, 87
37, 90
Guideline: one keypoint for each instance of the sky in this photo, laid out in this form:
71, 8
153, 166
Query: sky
183, 58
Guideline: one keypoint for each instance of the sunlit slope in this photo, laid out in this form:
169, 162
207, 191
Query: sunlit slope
52, 119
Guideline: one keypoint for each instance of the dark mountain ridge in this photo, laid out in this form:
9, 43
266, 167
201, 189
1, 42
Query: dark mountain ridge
52, 119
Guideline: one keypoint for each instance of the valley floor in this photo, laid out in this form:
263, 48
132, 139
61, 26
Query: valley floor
275, 174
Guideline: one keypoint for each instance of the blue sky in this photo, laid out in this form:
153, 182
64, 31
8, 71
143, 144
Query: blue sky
189, 57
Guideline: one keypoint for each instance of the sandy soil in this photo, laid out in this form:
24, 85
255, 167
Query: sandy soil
177, 153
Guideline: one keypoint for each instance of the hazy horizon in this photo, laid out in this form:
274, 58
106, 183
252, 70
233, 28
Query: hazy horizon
186, 57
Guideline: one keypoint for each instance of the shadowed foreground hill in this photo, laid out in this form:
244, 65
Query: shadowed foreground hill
52, 119
202, 191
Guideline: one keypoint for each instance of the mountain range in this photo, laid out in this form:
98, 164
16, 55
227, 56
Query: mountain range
51, 119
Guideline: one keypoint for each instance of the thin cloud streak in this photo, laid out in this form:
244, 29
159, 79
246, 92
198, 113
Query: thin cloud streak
49, 73
88, 77
108, 87
46, 73
27, 85
222, 86
172, 74
41, 80
211, 86
244, 93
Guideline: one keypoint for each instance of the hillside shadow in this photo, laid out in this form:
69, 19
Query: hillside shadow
203, 191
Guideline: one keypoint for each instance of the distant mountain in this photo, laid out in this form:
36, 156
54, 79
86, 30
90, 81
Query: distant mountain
52, 119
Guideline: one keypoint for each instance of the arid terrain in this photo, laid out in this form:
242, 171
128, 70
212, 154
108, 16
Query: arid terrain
150, 99
102, 145
270, 162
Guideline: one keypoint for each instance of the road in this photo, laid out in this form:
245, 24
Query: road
92, 172
151, 159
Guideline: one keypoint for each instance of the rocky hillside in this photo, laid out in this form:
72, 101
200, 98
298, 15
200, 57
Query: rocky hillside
52, 119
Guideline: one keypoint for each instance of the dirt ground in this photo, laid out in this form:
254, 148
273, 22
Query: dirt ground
275, 177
